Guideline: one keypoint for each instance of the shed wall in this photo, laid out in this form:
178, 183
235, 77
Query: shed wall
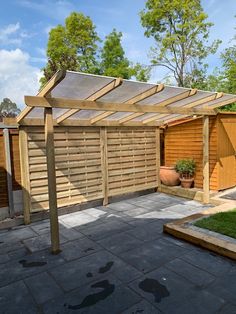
185, 141
227, 150
131, 163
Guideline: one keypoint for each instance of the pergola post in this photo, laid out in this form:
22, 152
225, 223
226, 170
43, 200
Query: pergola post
52, 191
206, 181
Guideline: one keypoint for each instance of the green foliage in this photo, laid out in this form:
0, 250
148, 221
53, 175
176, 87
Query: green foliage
180, 30
113, 60
8, 109
186, 167
72, 47
142, 73
229, 64
224, 223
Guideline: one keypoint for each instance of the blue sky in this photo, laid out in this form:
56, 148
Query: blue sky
24, 27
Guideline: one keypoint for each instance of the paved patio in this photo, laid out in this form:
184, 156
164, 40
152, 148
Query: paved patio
114, 259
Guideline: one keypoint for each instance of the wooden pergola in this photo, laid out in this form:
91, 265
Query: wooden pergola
78, 99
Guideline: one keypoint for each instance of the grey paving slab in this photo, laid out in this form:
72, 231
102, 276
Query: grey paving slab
161, 215
151, 255
151, 204
95, 212
18, 234
143, 307
225, 286
165, 199
109, 227
9, 247
172, 293
228, 309
122, 206
4, 258
40, 242
111, 298
41, 227
77, 219
43, 287
18, 254
205, 260
87, 269
147, 232
194, 274
137, 211
79, 248
184, 209
114, 259
27, 266
15, 298
118, 243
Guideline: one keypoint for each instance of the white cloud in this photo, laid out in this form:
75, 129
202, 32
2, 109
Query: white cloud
17, 77
8, 34
12, 34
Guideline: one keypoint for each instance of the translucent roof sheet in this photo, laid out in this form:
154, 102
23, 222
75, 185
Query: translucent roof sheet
81, 86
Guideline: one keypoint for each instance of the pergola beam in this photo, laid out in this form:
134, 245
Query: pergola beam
83, 122
35, 101
44, 92
98, 94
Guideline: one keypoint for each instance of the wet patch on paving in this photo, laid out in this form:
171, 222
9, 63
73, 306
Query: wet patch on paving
154, 287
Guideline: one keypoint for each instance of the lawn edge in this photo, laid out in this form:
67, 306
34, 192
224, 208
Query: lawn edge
181, 229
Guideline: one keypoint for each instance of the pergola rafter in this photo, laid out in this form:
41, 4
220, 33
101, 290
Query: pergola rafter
44, 92
150, 92
95, 96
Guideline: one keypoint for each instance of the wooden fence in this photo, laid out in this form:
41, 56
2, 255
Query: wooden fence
91, 163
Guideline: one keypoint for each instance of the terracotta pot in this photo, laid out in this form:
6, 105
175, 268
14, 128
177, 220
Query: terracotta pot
186, 183
169, 176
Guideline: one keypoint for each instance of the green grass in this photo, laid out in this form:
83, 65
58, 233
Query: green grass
224, 223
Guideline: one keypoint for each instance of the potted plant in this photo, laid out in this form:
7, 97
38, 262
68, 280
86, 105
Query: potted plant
186, 168
169, 176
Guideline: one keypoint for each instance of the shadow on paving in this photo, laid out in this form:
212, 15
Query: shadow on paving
229, 196
114, 259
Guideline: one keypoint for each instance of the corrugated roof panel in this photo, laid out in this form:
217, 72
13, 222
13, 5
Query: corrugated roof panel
77, 85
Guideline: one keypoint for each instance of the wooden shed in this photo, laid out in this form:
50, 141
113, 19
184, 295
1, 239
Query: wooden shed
184, 140
86, 137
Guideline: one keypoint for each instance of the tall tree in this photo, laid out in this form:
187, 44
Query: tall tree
72, 46
229, 66
180, 30
113, 60
115, 63
8, 109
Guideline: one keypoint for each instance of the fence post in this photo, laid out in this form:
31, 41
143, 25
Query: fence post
9, 171
24, 168
104, 163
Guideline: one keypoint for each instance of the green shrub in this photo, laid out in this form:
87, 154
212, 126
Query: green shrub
186, 168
